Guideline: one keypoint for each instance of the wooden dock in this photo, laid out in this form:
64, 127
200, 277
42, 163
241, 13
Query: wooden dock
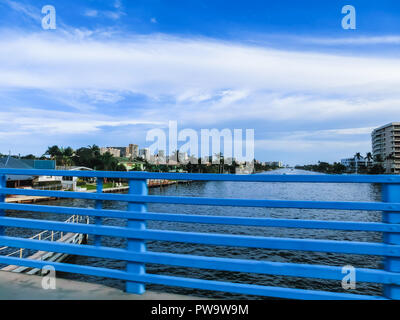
27, 199
49, 235
150, 184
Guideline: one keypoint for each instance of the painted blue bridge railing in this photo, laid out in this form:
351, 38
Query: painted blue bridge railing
136, 255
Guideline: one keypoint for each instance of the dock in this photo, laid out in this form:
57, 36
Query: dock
27, 199
153, 183
49, 235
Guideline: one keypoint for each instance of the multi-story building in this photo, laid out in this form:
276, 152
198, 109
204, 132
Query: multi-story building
133, 150
183, 157
278, 164
355, 164
386, 146
144, 153
116, 152
161, 153
124, 151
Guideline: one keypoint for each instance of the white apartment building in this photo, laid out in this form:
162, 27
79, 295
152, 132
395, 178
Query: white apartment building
386, 146
353, 164
145, 153
183, 157
278, 164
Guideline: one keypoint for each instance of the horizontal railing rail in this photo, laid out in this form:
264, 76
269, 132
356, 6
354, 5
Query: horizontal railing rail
334, 205
44, 235
137, 256
138, 175
208, 219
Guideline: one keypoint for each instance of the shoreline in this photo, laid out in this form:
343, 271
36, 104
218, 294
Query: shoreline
150, 184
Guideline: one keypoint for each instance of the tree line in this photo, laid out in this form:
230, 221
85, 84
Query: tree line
91, 157
373, 165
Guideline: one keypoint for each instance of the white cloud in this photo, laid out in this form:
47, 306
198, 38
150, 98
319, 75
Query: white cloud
388, 39
32, 121
91, 13
199, 82
317, 147
27, 10
157, 65
114, 15
117, 4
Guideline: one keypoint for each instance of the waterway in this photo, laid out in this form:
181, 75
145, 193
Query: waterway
285, 191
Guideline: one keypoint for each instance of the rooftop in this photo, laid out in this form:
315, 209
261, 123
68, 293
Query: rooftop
13, 163
387, 125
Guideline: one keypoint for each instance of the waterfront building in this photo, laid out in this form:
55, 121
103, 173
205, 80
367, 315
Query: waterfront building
144, 153
133, 150
115, 151
28, 181
386, 146
183, 157
123, 151
70, 183
354, 164
14, 181
277, 164
161, 154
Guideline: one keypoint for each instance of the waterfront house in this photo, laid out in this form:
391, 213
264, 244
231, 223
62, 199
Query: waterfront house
14, 181
70, 183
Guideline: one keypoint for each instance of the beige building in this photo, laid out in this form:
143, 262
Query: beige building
386, 146
115, 152
133, 150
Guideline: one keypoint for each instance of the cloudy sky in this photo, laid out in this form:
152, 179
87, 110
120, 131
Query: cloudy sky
112, 70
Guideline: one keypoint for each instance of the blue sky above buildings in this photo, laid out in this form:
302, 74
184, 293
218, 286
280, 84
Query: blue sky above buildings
112, 70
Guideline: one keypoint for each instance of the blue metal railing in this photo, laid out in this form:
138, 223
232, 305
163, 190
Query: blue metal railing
135, 232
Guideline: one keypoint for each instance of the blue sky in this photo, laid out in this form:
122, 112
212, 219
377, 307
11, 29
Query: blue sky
112, 70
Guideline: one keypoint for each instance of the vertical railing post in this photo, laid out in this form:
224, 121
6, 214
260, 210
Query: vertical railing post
136, 187
391, 193
98, 205
3, 184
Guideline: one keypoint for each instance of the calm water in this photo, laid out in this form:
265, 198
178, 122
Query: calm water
287, 191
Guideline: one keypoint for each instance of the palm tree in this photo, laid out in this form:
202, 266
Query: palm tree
65, 156
378, 158
175, 155
369, 157
94, 149
53, 151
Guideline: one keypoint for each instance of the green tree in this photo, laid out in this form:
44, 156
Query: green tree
53, 151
